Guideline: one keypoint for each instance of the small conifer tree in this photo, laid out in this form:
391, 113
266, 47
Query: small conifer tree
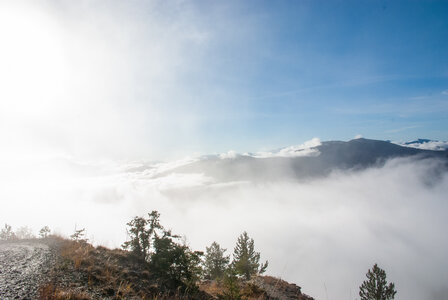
215, 262
376, 287
44, 232
79, 235
245, 259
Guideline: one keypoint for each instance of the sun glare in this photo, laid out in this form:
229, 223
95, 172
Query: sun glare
33, 70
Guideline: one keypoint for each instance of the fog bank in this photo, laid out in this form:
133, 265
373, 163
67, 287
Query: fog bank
322, 234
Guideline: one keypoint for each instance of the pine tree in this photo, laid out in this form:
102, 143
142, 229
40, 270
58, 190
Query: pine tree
215, 261
44, 232
141, 231
79, 236
245, 259
139, 237
375, 287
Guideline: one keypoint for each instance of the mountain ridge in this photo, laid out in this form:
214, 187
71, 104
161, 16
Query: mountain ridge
329, 156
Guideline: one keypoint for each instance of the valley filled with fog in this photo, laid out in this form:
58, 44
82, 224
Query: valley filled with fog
322, 233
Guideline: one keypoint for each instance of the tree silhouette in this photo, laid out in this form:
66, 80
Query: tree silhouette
215, 261
245, 259
44, 232
375, 287
79, 236
141, 231
173, 264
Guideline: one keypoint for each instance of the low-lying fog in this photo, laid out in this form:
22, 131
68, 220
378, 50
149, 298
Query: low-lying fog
323, 234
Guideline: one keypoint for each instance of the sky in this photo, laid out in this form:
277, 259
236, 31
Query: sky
159, 80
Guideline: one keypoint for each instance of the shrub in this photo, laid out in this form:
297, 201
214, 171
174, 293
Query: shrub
173, 264
7, 234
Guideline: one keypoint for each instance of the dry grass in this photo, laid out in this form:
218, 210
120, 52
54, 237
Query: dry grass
86, 272
212, 287
247, 290
78, 253
103, 274
50, 292
102, 267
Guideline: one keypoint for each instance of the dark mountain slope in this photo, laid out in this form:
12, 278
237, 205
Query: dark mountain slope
364, 152
333, 155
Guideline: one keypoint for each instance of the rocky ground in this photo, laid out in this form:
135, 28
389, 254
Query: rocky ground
258, 288
276, 288
24, 267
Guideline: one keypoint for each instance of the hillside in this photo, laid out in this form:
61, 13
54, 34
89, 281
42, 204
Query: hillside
81, 271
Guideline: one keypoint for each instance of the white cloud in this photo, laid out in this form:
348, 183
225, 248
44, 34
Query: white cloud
427, 145
358, 136
327, 230
402, 129
305, 149
229, 155
445, 92
159, 168
180, 181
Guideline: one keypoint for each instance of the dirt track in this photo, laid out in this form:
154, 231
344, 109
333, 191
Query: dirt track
23, 267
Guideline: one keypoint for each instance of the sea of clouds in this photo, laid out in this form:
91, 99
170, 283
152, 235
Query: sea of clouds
322, 234
426, 145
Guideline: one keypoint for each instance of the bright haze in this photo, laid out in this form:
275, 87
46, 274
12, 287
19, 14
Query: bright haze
218, 114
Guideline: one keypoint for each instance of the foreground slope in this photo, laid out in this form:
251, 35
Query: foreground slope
55, 269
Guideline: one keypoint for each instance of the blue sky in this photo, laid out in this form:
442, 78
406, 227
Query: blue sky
158, 79
333, 70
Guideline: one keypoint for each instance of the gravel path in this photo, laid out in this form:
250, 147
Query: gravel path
24, 265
